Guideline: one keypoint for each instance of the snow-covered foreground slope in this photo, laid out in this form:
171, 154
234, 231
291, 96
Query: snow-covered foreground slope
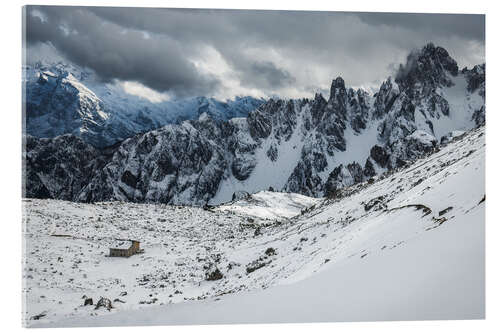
418, 281
410, 245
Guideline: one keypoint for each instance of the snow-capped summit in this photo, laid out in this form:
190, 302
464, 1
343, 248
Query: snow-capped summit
62, 98
58, 103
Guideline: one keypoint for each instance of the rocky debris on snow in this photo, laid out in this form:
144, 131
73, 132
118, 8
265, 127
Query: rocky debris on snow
375, 204
444, 211
151, 301
256, 264
425, 210
232, 264
38, 316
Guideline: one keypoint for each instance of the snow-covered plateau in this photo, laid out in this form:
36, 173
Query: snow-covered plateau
406, 244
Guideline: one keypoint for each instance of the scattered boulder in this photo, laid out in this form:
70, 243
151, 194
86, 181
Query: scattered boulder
208, 207
88, 301
255, 265
105, 303
270, 251
213, 273
240, 195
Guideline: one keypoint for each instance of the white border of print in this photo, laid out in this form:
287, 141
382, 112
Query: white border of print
10, 294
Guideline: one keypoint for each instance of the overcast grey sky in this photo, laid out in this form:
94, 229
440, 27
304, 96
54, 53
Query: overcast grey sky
223, 53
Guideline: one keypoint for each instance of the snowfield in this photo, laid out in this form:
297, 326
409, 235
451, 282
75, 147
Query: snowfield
270, 205
407, 245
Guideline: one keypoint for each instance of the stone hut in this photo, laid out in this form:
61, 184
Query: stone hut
125, 248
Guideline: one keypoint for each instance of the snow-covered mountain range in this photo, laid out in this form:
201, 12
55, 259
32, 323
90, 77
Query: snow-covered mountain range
309, 146
63, 98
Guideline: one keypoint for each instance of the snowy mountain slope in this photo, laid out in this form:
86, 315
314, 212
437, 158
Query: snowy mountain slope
405, 245
62, 98
312, 147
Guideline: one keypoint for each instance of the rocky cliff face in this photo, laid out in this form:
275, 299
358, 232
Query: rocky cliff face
308, 146
59, 168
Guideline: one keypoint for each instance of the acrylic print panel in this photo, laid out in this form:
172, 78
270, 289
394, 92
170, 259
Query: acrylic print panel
195, 166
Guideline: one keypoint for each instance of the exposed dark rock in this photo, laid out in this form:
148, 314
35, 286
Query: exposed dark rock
377, 203
272, 153
105, 303
369, 170
256, 264
213, 274
380, 156
38, 316
242, 168
444, 211
239, 195
270, 251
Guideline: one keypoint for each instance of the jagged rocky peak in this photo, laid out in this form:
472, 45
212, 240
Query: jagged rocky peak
385, 98
429, 66
338, 97
337, 88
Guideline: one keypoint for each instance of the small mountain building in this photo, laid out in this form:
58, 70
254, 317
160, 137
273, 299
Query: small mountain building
125, 248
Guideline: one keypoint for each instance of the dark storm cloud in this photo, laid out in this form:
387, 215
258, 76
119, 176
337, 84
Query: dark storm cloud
271, 75
273, 51
461, 25
115, 53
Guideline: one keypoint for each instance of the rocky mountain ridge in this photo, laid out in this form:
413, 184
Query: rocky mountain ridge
307, 146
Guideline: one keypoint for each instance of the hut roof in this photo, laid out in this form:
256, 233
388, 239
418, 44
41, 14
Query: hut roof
121, 245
